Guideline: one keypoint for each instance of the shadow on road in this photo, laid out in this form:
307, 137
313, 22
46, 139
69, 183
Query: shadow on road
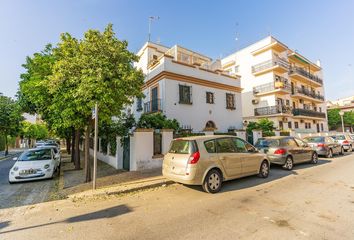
276, 172
104, 213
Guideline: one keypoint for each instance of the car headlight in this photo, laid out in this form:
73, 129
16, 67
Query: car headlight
46, 166
15, 168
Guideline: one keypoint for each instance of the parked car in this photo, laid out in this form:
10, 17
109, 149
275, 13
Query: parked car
57, 153
286, 151
34, 164
210, 160
325, 146
39, 143
345, 140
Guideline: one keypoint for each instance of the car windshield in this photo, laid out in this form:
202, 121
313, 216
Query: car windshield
339, 137
266, 143
314, 139
181, 146
35, 155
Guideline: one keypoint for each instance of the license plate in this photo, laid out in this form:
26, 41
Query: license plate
28, 171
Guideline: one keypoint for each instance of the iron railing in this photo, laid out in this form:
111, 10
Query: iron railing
152, 106
268, 87
271, 110
270, 63
309, 93
308, 113
303, 72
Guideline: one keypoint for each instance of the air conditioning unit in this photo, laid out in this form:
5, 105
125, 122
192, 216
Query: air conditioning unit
314, 121
255, 101
301, 101
301, 121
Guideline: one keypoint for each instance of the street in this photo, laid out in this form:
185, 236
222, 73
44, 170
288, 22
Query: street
310, 202
20, 194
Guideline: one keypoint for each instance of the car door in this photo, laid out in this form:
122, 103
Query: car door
228, 157
250, 162
305, 149
293, 149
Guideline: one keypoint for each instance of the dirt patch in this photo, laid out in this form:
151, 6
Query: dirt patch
282, 223
245, 200
327, 217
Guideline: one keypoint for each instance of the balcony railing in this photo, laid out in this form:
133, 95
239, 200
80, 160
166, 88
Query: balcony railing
309, 93
270, 63
271, 110
309, 113
269, 87
304, 73
152, 106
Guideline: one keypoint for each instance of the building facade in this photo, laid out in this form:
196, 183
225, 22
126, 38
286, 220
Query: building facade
344, 104
281, 85
189, 87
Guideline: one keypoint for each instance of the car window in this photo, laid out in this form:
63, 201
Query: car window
181, 146
210, 146
289, 142
265, 143
340, 137
329, 139
300, 142
314, 139
225, 145
239, 145
38, 154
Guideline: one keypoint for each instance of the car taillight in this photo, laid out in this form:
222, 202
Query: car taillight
345, 142
194, 158
280, 151
320, 145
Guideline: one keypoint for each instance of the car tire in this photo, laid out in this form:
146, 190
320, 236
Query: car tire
289, 163
11, 182
213, 181
341, 151
329, 154
264, 170
314, 158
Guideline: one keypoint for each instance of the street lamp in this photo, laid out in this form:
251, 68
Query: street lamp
341, 113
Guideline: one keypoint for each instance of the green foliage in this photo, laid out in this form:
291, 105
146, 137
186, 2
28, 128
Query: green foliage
2, 143
34, 131
104, 145
334, 119
112, 147
10, 116
348, 118
263, 124
157, 121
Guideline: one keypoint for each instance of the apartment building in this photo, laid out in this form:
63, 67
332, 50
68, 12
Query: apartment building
344, 104
189, 87
279, 84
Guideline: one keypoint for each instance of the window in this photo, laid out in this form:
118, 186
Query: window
281, 125
320, 109
230, 101
210, 97
185, 94
225, 145
322, 127
296, 124
300, 142
210, 146
139, 104
289, 143
307, 125
239, 145
290, 125
287, 103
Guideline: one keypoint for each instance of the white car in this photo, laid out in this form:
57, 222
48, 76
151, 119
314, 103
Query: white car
57, 153
33, 164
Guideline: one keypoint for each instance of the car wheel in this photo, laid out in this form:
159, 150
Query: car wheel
329, 153
11, 182
350, 148
213, 181
264, 170
341, 151
314, 159
289, 163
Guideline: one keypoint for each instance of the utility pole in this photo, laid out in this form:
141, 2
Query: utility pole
95, 115
151, 18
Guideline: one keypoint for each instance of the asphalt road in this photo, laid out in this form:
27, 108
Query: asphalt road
20, 194
310, 202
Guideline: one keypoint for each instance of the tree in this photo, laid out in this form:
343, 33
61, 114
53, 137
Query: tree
10, 119
348, 118
334, 119
157, 121
34, 131
263, 124
97, 69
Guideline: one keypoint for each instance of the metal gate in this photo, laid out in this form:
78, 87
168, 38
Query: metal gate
157, 143
126, 153
250, 138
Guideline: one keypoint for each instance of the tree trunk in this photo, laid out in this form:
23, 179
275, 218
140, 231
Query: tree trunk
87, 154
73, 145
68, 145
77, 149
6, 146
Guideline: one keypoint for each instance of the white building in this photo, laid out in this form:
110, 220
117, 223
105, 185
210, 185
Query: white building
281, 85
189, 87
345, 104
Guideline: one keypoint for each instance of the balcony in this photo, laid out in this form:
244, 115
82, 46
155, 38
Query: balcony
272, 110
302, 75
277, 87
152, 106
307, 94
308, 113
278, 65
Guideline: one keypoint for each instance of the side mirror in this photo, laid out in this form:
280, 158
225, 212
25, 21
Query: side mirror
15, 158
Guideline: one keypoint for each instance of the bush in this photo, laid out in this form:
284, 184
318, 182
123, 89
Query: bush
157, 121
264, 124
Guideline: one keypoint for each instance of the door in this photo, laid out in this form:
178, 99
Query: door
154, 99
250, 162
305, 149
294, 149
318, 127
126, 153
231, 161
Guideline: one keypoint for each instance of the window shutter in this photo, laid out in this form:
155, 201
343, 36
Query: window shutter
180, 93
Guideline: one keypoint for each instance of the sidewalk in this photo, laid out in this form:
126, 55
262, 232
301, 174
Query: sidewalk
12, 152
109, 180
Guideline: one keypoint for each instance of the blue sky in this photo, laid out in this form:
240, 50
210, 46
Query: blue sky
317, 29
